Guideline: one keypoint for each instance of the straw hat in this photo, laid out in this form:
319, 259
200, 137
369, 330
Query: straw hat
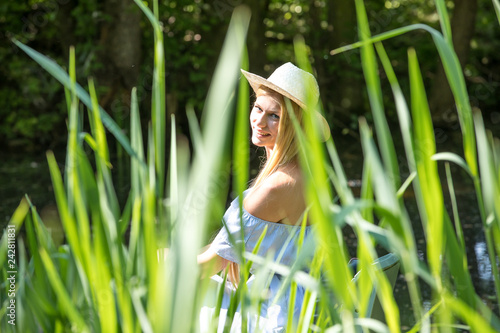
294, 83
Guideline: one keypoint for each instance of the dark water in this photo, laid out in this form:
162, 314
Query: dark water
478, 260
22, 174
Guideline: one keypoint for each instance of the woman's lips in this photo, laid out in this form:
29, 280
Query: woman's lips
262, 134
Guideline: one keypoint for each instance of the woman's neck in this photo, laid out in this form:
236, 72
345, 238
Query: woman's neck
269, 152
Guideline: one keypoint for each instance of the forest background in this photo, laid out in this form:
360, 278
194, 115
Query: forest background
114, 45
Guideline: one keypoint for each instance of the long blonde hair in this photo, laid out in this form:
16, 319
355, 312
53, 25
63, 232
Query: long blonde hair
285, 150
286, 147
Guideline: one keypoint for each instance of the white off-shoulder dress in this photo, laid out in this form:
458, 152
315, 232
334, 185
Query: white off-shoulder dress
280, 244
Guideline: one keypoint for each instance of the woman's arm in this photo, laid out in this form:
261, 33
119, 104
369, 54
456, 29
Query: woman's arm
211, 263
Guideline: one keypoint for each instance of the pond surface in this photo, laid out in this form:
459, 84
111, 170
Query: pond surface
478, 260
22, 174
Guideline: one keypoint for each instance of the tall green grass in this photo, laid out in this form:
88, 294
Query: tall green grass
99, 282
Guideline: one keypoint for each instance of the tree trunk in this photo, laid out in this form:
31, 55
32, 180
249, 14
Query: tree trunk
318, 41
256, 41
441, 98
66, 27
345, 84
120, 54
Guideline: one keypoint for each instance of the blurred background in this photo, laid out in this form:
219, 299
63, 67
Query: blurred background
114, 45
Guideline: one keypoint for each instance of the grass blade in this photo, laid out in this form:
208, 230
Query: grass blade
60, 75
451, 157
429, 181
489, 197
456, 217
319, 198
240, 146
496, 5
207, 167
476, 322
370, 70
137, 165
158, 109
62, 295
102, 154
67, 220
455, 77
444, 20
15, 223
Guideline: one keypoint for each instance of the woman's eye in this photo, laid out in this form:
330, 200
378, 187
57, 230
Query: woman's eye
275, 116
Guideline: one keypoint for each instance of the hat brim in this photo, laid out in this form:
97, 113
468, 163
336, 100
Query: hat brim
257, 81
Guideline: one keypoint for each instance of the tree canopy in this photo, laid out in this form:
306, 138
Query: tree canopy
113, 43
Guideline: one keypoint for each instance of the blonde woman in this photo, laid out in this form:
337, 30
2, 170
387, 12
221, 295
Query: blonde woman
275, 201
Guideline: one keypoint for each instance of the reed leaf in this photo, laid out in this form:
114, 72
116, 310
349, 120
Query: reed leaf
370, 70
409, 259
403, 112
386, 195
98, 128
15, 223
489, 197
137, 169
452, 157
22, 313
62, 295
62, 76
454, 71
496, 6
444, 21
240, 177
456, 217
319, 196
101, 154
429, 181
173, 182
367, 191
38, 229
68, 221
475, 321
241, 149
455, 77
158, 109
205, 170
70, 172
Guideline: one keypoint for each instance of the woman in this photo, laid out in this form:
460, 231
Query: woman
274, 204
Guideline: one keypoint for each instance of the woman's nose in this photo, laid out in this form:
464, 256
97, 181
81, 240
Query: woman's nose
260, 120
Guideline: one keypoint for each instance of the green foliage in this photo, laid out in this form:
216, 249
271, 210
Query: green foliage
194, 33
34, 108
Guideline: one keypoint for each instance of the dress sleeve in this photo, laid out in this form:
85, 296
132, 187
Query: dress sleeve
228, 240
279, 240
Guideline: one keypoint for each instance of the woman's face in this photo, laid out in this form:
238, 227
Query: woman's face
265, 120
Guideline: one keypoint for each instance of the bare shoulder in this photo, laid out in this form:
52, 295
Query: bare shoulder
278, 199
